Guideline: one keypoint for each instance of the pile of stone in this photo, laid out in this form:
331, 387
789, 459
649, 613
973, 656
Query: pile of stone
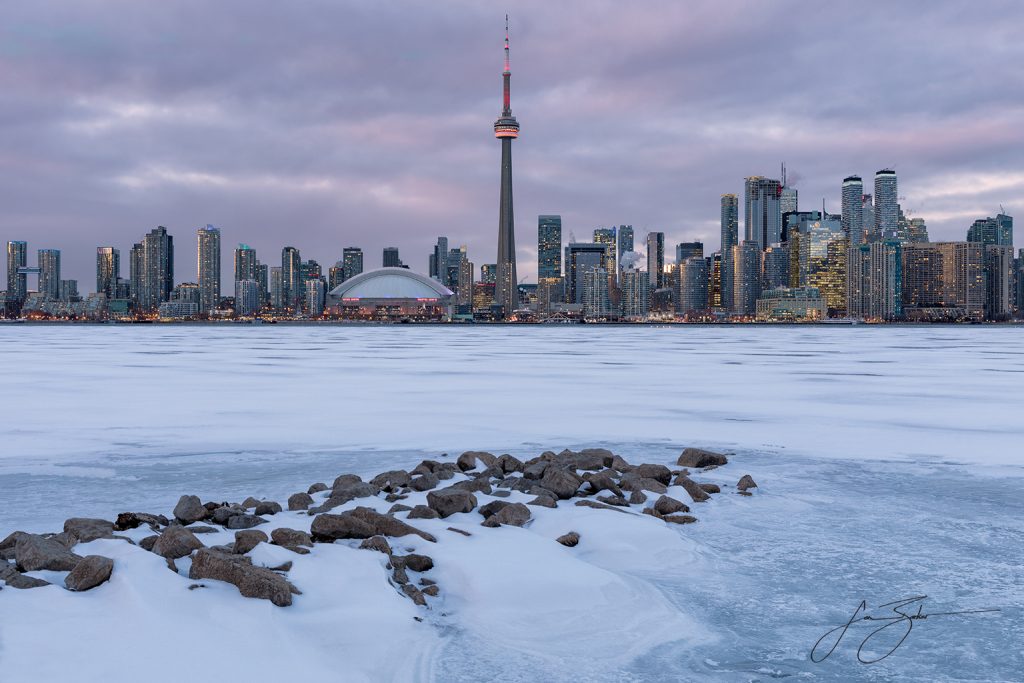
593, 477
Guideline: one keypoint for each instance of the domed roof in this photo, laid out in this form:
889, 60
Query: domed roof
390, 283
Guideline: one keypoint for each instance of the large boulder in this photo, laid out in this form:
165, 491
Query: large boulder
492, 508
32, 552
416, 563
620, 465
316, 488
299, 501
252, 582
508, 464
514, 514
698, 494
89, 573
176, 541
447, 502
698, 457
477, 485
562, 483
666, 505
222, 514
656, 472
15, 579
290, 537
378, 543
346, 480
84, 529
535, 469
244, 521
386, 525
424, 482
746, 482
711, 488
391, 480
190, 509
422, 512
469, 459
248, 539
592, 459
680, 519
569, 540
632, 482
268, 507
133, 520
603, 481
328, 527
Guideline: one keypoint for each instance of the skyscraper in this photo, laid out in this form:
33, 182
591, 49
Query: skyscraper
156, 268
636, 289
763, 211
351, 262
277, 293
595, 300
549, 246
730, 221
108, 270
853, 209
875, 281
208, 268
246, 265
788, 199
999, 279
580, 257
247, 297
390, 258
606, 236
292, 294
17, 257
685, 250
625, 236
439, 261
867, 218
136, 273
1005, 224
746, 287
692, 295
886, 204
49, 273
506, 129
489, 273
656, 259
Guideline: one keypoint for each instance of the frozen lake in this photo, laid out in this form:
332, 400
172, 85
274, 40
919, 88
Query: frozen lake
889, 458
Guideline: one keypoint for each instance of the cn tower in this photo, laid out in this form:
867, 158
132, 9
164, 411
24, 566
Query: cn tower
506, 129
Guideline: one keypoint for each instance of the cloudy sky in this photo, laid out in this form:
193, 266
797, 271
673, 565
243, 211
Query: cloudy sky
323, 124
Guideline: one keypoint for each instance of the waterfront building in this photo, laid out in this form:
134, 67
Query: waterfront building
636, 289
67, 291
246, 263
875, 281
791, 304
685, 250
730, 221
438, 267
775, 266
944, 281
656, 259
886, 204
606, 236
335, 275
178, 310
247, 297
391, 294
208, 268
108, 271
278, 296
506, 129
715, 280
746, 286
822, 258
999, 282
997, 231
853, 209
763, 212
157, 269
549, 247
595, 300
483, 296
390, 258
48, 261
489, 273
17, 281
351, 262
291, 279
315, 293
692, 289
580, 257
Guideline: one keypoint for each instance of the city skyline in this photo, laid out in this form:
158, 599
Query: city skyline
126, 140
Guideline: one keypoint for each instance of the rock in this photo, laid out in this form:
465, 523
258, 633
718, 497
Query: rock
569, 540
680, 519
252, 582
518, 484
603, 481
201, 529
473, 486
32, 552
422, 512
710, 488
508, 464
592, 459
386, 525
250, 502
398, 573
299, 501
746, 482
614, 500
391, 480
620, 465
176, 541
652, 512
290, 537
560, 482
418, 563
283, 567
90, 572
298, 550
666, 505
424, 482
347, 491
545, 501
431, 590
12, 540
15, 579
698, 457
598, 506
514, 514
492, 472
268, 507
631, 482
85, 530
415, 594
248, 539
469, 459
133, 520
244, 522
637, 497
536, 469
222, 514
658, 473
492, 508
398, 507
189, 509
392, 497
501, 494
378, 543
317, 488
328, 527
698, 494
346, 480
447, 502
148, 542
459, 531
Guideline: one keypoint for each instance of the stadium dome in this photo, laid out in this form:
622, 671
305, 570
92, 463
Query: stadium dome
390, 292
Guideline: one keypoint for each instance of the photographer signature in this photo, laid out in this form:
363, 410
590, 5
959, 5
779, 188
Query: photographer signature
897, 626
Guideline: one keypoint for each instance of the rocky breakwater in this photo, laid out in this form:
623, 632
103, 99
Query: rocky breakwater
399, 514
